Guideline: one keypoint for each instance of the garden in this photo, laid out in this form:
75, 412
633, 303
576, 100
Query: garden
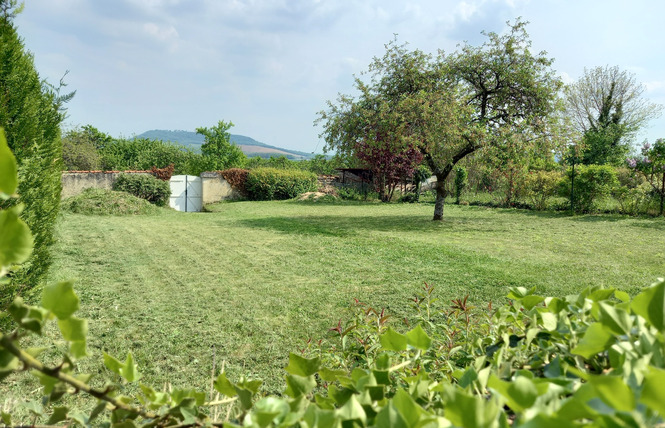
534, 299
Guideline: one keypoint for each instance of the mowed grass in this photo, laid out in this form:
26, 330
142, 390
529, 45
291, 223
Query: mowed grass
252, 281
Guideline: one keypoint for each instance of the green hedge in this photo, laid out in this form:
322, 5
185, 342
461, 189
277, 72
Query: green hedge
31, 113
270, 183
144, 186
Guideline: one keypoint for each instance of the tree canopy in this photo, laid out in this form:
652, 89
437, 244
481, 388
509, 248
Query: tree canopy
447, 106
607, 108
218, 149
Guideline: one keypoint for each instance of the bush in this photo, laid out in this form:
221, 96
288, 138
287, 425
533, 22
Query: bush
540, 186
271, 183
163, 174
592, 182
461, 180
633, 200
237, 178
31, 112
144, 186
107, 202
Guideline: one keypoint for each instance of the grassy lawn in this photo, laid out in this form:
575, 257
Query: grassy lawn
254, 280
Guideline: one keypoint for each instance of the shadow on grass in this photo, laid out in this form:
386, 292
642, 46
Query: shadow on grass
344, 226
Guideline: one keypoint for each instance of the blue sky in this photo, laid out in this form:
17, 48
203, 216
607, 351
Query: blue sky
269, 66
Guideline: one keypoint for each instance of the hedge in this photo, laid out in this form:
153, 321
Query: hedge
271, 183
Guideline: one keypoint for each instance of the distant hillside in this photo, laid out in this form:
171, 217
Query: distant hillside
249, 146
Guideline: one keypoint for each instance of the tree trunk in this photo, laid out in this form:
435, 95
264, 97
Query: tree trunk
440, 197
662, 195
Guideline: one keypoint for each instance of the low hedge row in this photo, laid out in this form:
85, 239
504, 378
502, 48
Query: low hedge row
146, 187
264, 184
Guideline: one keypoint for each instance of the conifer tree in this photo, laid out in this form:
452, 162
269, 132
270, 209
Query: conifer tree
31, 113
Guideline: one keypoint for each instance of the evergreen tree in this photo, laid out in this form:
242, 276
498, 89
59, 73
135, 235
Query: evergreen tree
30, 113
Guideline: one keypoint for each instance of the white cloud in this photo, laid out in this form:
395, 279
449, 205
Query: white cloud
161, 33
655, 86
466, 10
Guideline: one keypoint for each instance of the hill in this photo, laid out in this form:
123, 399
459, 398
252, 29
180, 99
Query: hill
248, 145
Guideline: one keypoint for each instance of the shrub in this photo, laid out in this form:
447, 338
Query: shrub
633, 200
107, 202
461, 181
164, 174
144, 186
237, 178
79, 152
540, 186
592, 182
31, 112
271, 183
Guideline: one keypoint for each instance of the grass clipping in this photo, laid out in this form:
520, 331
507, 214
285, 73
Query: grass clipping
107, 202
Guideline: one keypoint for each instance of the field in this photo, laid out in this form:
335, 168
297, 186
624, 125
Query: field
252, 281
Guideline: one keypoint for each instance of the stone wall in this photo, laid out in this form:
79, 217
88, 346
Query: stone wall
215, 188
74, 183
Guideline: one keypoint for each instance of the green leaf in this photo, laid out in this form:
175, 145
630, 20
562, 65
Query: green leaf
546, 421
407, 407
340, 395
73, 329
15, 238
392, 340
615, 319
352, 410
614, 392
418, 338
34, 407
330, 375
555, 305
470, 375
530, 302
302, 366
596, 339
523, 392
622, 295
464, 410
224, 386
382, 362
269, 409
382, 377
516, 293
650, 304
60, 299
8, 361
519, 394
112, 364
46, 381
78, 349
389, 416
320, 418
130, 370
252, 385
297, 386
245, 397
550, 320
6, 418
653, 390
59, 415
8, 169
601, 294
